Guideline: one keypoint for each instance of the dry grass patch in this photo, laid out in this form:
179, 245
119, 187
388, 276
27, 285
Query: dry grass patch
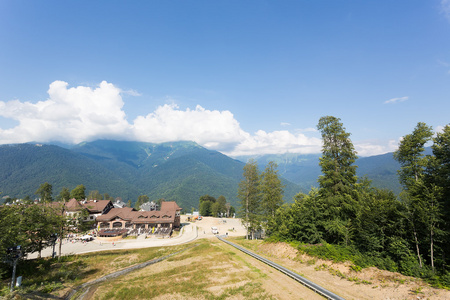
207, 271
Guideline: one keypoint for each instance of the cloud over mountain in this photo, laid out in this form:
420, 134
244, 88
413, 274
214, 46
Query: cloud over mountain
82, 113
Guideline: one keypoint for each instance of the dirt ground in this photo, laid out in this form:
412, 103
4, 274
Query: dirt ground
230, 226
369, 283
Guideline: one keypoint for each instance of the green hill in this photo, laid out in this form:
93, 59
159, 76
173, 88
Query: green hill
178, 171
24, 167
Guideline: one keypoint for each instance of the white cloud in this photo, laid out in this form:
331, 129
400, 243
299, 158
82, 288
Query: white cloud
395, 100
77, 114
277, 142
211, 128
439, 129
369, 148
69, 115
285, 124
132, 93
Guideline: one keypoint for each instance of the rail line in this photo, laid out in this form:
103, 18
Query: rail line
309, 284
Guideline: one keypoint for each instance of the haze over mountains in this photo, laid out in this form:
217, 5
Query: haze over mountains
179, 171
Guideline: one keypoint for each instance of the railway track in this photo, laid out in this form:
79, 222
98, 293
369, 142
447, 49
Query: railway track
309, 284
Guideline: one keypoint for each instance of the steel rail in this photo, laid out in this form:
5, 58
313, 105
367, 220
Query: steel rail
309, 284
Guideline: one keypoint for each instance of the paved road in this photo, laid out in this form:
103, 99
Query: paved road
188, 233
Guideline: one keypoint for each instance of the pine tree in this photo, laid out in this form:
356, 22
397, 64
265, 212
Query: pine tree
440, 177
337, 193
338, 157
414, 163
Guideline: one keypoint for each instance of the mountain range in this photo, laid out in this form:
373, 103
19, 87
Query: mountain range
178, 171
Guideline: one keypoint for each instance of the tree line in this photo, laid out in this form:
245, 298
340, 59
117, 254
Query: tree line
34, 227
210, 206
408, 233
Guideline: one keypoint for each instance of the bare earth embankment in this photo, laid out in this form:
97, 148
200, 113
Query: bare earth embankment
369, 283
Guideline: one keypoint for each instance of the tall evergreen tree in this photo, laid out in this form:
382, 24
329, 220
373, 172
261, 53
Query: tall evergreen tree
338, 157
414, 163
440, 176
249, 194
337, 193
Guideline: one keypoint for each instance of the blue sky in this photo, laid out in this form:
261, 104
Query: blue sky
241, 77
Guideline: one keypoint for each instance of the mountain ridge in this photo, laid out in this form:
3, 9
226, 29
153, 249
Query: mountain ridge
181, 171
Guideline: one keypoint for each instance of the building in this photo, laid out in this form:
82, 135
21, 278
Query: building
128, 218
94, 208
148, 206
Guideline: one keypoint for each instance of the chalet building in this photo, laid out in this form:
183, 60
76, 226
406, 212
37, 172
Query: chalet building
128, 218
95, 208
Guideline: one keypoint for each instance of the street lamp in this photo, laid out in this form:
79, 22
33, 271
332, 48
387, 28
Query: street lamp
14, 254
53, 239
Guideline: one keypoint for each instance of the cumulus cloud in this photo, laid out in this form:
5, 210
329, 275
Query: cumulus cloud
77, 114
70, 115
395, 100
210, 128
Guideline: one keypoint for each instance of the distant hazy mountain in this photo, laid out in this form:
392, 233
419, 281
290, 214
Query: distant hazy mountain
304, 169
179, 171
297, 168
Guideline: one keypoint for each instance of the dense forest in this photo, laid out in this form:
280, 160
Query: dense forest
347, 218
178, 171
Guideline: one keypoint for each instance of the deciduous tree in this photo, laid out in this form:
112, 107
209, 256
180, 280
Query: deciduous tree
250, 196
79, 192
45, 192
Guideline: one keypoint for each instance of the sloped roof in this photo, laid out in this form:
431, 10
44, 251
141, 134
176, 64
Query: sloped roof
169, 206
125, 213
73, 205
96, 206
138, 217
153, 216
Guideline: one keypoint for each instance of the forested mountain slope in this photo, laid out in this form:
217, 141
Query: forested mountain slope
179, 171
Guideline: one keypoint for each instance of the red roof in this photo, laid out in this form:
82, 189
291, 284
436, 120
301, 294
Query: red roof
170, 206
73, 205
96, 206
165, 215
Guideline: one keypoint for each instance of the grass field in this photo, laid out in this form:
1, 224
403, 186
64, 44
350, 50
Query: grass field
209, 271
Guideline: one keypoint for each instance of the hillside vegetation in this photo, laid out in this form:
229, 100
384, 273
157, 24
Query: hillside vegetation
179, 171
